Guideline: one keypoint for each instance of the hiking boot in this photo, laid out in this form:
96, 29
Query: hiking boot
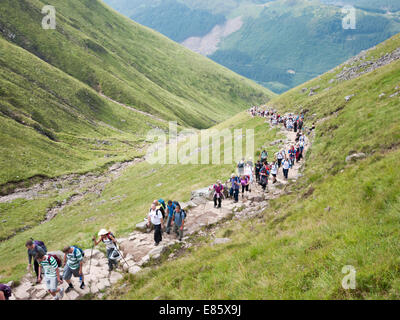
82, 286
70, 287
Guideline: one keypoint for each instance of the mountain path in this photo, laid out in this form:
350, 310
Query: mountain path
138, 247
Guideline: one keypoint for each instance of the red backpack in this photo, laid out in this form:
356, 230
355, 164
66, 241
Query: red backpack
59, 263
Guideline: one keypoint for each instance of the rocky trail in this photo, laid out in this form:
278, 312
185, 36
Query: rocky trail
138, 248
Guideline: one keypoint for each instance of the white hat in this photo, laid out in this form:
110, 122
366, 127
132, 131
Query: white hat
102, 232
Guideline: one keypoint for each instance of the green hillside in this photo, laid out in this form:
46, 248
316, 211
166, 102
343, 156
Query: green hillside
282, 43
127, 62
339, 213
53, 119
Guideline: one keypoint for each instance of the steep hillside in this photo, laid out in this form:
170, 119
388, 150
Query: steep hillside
338, 213
128, 63
314, 40
57, 88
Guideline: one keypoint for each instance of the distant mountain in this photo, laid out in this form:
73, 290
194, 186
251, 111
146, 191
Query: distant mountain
279, 44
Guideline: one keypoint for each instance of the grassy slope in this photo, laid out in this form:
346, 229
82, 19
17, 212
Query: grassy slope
298, 249
136, 189
52, 124
128, 62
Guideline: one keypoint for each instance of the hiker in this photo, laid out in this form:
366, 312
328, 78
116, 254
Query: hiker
244, 181
257, 170
34, 247
111, 245
240, 167
218, 188
156, 219
73, 264
297, 152
274, 171
179, 221
295, 126
292, 155
52, 277
279, 157
264, 173
170, 212
5, 292
264, 156
160, 207
286, 167
235, 180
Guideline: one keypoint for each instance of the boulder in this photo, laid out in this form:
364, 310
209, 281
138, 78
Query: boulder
41, 294
134, 269
103, 284
200, 193
348, 98
157, 251
94, 289
356, 156
72, 295
142, 226
115, 277
199, 200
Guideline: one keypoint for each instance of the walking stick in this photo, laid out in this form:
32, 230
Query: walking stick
119, 252
90, 260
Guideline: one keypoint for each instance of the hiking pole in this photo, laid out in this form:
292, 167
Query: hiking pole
119, 252
91, 254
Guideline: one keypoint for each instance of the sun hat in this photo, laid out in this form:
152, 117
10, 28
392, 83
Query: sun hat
102, 232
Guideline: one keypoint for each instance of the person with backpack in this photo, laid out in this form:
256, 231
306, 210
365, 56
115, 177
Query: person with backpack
274, 171
160, 207
264, 156
264, 174
244, 181
156, 219
292, 155
51, 265
5, 292
240, 166
170, 212
257, 170
286, 166
179, 221
279, 157
235, 181
218, 188
73, 264
34, 247
111, 245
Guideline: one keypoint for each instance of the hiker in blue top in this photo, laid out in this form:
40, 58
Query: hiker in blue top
170, 211
235, 181
179, 221
73, 261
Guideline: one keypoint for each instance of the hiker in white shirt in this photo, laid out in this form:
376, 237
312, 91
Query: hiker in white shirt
155, 217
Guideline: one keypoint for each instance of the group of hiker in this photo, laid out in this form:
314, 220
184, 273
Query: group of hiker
164, 216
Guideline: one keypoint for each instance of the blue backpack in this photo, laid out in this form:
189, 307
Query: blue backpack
77, 248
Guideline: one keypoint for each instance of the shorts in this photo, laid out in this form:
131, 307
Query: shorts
68, 272
51, 284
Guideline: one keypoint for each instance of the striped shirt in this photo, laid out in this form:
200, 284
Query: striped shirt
49, 265
74, 258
